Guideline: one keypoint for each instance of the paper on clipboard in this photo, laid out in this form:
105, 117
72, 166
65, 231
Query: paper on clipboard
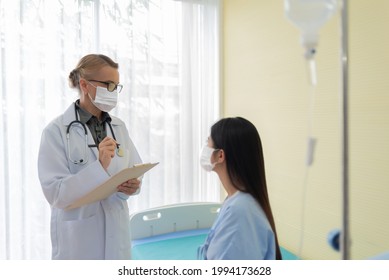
110, 186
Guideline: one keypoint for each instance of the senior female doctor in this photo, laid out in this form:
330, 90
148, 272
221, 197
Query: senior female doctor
79, 150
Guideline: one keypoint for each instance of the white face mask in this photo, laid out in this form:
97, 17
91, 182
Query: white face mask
205, 158
105, 100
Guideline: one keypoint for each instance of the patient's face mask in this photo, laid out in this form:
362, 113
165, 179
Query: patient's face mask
105, 100
205, 158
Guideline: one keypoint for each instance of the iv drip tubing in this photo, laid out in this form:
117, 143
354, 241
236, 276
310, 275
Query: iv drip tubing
345, 157
309, 160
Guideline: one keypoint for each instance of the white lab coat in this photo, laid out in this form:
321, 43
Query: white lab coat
96, 231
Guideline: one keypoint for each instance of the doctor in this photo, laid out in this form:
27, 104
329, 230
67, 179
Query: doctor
80, 150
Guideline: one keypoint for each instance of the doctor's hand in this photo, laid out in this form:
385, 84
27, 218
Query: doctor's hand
107, 149
129, 187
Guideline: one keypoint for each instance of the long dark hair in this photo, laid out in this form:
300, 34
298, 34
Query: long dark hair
240, 141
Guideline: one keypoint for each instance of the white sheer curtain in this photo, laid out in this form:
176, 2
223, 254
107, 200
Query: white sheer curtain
168, 53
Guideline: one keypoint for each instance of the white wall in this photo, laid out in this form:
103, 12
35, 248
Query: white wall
265, 80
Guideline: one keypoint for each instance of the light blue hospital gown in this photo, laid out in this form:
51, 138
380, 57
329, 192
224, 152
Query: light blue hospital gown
240, 232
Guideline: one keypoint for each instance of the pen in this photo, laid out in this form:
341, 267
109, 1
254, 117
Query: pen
95, 146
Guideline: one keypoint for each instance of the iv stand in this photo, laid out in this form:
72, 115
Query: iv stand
345, 159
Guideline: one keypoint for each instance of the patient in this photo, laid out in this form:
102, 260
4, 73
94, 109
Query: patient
245, 227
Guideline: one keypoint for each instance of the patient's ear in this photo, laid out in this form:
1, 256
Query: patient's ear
221, 157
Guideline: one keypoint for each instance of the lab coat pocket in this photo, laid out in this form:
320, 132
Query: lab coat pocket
124, 228
79, 239
118, 243
122, 215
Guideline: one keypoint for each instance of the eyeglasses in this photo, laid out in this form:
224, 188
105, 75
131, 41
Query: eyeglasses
111, 86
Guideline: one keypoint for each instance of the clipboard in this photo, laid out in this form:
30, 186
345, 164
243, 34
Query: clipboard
110, 186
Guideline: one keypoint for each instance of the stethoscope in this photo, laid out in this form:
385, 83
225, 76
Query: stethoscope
85, 158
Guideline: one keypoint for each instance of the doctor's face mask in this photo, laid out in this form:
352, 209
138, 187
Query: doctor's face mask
205, 158
105, 100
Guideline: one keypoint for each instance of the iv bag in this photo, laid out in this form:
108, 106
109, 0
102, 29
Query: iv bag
309, 16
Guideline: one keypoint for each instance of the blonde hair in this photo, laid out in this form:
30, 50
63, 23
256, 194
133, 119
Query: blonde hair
87, 66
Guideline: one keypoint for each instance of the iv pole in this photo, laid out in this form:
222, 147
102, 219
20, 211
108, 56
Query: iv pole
345, 159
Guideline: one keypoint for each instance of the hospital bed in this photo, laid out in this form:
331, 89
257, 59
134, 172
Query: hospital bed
174, 232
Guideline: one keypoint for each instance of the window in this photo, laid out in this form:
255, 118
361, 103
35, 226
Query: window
168, 55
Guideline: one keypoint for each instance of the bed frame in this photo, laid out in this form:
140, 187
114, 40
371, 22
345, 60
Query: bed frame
173, 218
